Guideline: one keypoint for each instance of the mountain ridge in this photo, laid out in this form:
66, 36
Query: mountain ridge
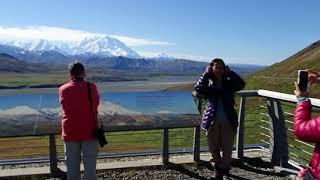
281, 76
304, 59
12, 64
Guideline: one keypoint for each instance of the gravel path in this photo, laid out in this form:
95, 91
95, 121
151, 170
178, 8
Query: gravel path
189, 171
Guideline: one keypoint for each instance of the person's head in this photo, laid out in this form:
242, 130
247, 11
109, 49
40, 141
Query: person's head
76, 70
218, 67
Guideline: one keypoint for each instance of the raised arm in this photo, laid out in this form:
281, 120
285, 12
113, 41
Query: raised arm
237, 82
202, 85
203, 88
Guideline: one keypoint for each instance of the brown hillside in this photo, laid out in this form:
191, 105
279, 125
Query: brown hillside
281, 76
308, 58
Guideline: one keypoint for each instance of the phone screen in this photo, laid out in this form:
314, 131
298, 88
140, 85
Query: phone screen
303, 80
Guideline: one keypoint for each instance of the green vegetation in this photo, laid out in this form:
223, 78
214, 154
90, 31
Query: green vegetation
119, 142
184, 87
31, 79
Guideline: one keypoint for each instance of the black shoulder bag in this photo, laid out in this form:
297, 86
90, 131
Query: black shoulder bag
99, 132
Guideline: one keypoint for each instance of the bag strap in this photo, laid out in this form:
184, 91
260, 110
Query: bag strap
90, 102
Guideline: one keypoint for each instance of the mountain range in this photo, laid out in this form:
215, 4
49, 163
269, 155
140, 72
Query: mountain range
112, 62
101, 51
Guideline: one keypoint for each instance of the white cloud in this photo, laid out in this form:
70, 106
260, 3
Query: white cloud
177, 55
148, 53
58, 33
43, 32
192, 57
139, 42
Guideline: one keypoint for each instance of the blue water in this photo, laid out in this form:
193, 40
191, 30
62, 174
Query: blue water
146, 102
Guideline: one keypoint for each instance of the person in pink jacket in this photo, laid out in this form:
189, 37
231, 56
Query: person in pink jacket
78, 123
307, 128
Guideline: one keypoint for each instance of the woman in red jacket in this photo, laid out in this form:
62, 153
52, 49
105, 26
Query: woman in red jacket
307, 128
78, 123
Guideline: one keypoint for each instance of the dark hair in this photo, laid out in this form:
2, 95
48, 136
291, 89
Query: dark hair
76, 69
217, 60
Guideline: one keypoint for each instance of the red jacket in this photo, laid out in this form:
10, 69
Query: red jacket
308, 130
77, 121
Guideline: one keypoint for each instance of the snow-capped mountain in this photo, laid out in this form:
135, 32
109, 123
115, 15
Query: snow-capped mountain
97, 45
163, 56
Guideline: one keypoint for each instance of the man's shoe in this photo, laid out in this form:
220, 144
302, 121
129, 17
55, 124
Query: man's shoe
226, 177
216, 175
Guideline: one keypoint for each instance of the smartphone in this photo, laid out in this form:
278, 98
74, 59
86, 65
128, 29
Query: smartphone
303, 80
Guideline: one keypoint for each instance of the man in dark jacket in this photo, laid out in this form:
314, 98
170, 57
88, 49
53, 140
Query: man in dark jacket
218, 84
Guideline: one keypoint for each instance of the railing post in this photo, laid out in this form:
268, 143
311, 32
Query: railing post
240, 133
53, 156
165, 148
196, 144
278, 134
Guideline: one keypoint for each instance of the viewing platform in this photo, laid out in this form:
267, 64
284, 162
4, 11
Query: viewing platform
181, 166
265, 147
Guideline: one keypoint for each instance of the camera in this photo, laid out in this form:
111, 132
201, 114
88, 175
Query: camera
303, 80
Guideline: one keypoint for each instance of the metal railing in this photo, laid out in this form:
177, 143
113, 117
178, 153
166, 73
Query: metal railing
273, 127
265, 123
144, 140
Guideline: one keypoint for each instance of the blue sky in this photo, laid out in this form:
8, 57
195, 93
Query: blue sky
246, 31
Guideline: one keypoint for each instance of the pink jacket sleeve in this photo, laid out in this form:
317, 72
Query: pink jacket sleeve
305, 128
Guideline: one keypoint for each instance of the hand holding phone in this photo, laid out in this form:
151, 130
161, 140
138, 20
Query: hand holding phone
303, 80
